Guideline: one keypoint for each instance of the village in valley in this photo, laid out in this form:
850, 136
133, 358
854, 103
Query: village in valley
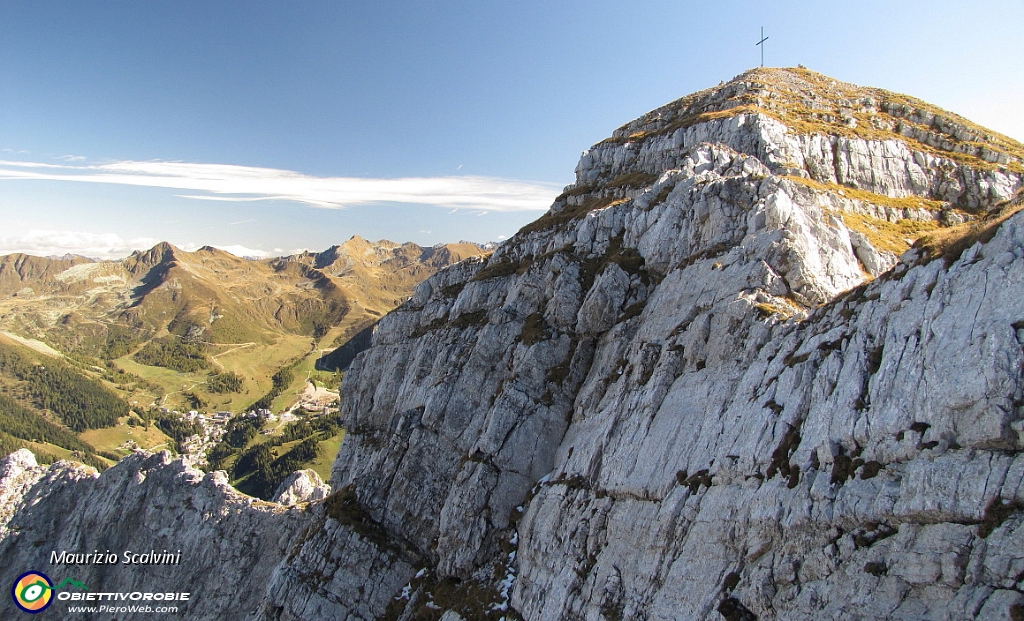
314, 403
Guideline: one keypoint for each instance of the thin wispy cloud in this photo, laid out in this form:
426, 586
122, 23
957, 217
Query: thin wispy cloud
58, 243
33, 165
225, 182
104, 246
229, 199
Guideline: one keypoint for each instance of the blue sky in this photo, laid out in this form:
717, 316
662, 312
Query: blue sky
310, 122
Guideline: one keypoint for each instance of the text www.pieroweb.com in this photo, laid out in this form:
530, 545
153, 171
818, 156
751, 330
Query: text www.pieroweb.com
121, 609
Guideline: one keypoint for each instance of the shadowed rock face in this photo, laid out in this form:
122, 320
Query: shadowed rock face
229, 542
700, 387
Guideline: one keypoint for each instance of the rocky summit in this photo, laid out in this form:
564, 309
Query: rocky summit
763, 360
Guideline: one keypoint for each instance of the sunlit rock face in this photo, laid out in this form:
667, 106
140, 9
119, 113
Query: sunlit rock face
713, 381
301, 486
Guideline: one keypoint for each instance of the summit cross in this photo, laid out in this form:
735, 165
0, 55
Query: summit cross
761, 43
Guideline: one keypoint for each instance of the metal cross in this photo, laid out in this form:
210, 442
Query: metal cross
761, 43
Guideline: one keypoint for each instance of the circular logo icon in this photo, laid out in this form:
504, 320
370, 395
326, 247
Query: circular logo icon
32, 591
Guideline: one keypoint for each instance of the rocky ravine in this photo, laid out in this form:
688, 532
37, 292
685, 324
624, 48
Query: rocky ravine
671, 397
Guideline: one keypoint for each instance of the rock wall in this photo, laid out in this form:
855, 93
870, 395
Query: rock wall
229, 542
859, 464
661, 371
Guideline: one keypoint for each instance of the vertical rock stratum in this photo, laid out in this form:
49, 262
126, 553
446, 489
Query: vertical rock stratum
714, 381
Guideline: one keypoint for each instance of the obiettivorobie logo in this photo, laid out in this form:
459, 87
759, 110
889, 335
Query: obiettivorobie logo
33, 590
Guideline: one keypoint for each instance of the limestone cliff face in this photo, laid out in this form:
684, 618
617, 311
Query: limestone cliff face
229, 542
631, 349
700, 387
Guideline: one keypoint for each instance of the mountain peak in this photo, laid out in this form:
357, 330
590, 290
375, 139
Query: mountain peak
162, 252
688, 343
810, 103
160, 249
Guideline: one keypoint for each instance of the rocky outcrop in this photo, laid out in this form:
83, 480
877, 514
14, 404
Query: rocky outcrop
229, 542
700, 387
301, 486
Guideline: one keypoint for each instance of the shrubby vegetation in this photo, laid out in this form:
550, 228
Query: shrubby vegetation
119, 342
194, 401
83, 338
227, 329
265, 473
221, 383
9, 444
89, 459
21, 422
280, 380
218, 455
259, 469
173, 352
177, 428
239, 432
80, 402
183, 326
324, 427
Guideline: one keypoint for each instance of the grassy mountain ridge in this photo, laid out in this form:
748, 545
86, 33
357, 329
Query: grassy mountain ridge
181, 324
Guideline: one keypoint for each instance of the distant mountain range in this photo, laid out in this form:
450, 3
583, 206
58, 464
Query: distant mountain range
201, 330
77, 304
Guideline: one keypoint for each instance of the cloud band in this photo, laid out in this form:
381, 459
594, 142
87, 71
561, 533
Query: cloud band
108, 246
225, 182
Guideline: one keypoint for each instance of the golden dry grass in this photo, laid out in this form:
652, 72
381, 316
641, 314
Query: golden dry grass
950, 243
895, 237
811, 103
785, 311
906, 202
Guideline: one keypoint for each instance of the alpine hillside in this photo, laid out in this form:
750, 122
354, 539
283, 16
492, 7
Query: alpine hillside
246, 316
167, 329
